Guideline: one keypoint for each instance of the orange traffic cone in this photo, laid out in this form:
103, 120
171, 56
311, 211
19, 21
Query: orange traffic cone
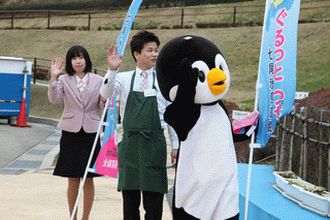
21, 120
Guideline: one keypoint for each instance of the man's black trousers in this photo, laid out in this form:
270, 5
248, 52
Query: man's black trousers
152, 204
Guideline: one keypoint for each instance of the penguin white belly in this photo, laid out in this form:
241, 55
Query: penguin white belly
206, 181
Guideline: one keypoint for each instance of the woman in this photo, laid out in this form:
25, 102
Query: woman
79, 122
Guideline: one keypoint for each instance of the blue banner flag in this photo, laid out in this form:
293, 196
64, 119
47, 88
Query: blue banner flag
107, 160
277, 66
126, 28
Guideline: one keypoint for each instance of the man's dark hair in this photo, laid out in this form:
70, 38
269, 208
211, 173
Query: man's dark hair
140, 39
76, 51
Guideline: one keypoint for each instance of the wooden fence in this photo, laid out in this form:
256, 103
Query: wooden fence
303, 141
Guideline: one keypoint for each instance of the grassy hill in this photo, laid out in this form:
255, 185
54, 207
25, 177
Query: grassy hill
240, 46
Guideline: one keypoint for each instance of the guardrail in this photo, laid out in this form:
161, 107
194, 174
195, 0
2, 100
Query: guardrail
42, 66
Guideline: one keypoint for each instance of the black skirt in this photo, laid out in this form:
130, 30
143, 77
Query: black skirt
75, 150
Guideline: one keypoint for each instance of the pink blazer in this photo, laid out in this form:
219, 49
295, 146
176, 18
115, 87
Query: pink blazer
81, 109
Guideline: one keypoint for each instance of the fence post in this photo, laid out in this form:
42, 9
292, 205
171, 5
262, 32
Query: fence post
282, 154
12, 20
292, 136
303, 152
48, 22
323, 157
89, 21
182, 15
278, 148
234, 21
34, 70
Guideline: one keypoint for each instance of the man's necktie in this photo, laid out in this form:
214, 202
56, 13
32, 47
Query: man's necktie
144, 81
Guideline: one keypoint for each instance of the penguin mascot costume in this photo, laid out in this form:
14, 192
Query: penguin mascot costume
193, 75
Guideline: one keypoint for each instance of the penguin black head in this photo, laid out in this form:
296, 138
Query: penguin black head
204, 58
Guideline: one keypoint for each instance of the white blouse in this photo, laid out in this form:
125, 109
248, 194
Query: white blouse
82, 83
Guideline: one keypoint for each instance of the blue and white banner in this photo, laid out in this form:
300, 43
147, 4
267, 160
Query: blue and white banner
277, 66
107, 160
126, 28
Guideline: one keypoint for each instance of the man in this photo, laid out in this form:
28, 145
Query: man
142, 151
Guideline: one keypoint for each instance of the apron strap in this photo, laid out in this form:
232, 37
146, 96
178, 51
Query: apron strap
132, 81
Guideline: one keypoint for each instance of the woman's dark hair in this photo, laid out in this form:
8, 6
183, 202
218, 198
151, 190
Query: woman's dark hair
140, 39
76, 51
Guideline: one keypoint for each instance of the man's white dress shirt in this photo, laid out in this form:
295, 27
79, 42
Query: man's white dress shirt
119, 85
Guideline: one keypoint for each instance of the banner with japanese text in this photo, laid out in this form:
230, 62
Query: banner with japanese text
107, 160
277, 67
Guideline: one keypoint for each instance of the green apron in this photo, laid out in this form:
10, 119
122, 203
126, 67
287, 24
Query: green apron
142, 151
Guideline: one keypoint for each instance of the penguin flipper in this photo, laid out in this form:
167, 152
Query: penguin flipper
182, 121
183, 113
236, 137
243, 136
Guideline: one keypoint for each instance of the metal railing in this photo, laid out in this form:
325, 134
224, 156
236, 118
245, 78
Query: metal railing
41, 68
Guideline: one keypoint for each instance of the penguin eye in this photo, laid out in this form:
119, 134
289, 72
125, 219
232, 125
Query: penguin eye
201, 76
201, 70
220, 62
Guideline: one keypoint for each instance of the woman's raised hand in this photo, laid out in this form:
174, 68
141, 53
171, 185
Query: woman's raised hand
56, 68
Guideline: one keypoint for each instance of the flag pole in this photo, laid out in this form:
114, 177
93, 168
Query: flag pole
252, 146
252, 143
121, 44
88, 169
273, 39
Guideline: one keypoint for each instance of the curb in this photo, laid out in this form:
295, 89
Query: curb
45, 121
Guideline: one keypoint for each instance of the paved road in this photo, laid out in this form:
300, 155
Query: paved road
23, 149
15, 141
26, 165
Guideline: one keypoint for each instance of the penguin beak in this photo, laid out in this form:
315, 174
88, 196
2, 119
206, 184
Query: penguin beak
216, 80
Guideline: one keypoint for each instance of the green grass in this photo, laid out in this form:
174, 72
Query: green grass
240, 46
40, 106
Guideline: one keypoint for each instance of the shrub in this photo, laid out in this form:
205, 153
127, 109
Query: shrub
201, 25
83, 28
165, 27
177, 27
188, 26
239, 24
226, 25
151, 27
68, 28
